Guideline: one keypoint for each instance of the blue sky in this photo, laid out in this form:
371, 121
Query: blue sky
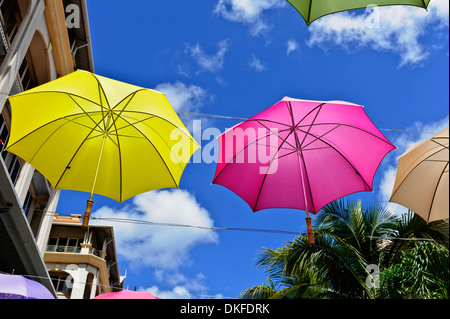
236, 58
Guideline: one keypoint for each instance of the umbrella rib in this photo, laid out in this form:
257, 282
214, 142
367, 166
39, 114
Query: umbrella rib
46, 140
245, 147
162, 159
307, 181
70, 95
120, 158
49, 123
300, 153
310, 126
277, 133
345, 158
137, 122
101, 103
339, 124
265, 176
80, 115
156, 116
310, 112
75, 154
309, 12
320, 137
288, 154
120, 114
333, 147
118, 140
132, 93
101, 88
65, 93
434, 193
426, 159
87, 114
412, 170
356, 128
101, 135
443, 145
266, 120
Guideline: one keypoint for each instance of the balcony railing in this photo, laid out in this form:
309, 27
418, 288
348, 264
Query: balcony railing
73, 250
63, 249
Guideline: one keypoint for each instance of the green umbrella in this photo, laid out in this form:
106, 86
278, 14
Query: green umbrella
312, 10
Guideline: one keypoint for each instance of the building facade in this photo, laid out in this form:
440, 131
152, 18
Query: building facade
82, 263
40, 41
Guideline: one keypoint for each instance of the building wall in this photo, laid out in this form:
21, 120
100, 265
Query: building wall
33, 51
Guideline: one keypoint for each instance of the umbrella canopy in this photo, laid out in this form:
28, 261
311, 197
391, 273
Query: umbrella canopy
127, 294
85, 132
312, 10
19, 287
308, 154
422, 183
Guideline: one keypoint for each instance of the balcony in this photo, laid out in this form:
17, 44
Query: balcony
75, 250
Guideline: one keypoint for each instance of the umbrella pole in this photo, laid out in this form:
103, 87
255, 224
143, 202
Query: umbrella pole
308, 218
90, 202
310, 230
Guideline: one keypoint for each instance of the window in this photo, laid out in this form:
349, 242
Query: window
10, 18
27, 203
2, 52
61, 283
4, 134
26, 78
51, 245
73, 246
64, 245
14, 169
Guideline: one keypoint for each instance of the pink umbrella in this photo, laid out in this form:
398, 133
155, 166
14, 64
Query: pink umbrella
127, 294
301, 154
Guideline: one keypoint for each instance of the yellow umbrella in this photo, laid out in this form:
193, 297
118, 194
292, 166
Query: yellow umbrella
422, 183
88, 133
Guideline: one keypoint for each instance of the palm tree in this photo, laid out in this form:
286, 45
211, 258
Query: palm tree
422, 273
350, 240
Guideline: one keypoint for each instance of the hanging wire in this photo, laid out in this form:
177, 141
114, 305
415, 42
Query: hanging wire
250, 230
235, 229
226, 117
246, 119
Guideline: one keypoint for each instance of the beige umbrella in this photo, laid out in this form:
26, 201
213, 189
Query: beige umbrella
422, 178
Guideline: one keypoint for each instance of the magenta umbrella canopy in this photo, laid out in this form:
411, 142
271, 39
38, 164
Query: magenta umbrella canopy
19, 287
127, 294
301, 154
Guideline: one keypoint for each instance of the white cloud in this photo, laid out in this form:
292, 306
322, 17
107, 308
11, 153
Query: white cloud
403, 142
182, 287
184, 97
292, 46
161, 247
396, 29
248, 12
210, 63
178, 292
256, 64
